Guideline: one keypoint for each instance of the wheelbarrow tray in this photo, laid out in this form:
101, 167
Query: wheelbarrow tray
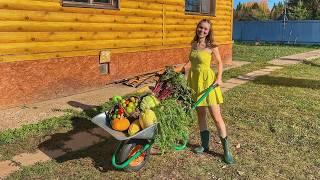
103, 121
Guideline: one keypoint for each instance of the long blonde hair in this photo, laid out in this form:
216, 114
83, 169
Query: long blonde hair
209, 38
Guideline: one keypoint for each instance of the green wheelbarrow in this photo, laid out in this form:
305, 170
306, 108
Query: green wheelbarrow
133, 152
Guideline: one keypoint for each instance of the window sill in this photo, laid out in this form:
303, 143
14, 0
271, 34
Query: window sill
95, 6
198, 14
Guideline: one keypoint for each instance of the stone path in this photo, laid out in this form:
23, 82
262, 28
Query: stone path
295, 59
93, 136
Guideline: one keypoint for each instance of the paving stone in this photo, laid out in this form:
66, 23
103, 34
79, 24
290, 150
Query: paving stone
261, 72
246, 77
27, 159
229, 85
282, 62
303, 56
258, 73
55, 153
225, 89
274, 67
267, 70
236, 81
6, 168
80, 141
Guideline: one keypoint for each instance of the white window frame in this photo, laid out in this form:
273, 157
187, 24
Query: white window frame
114, 4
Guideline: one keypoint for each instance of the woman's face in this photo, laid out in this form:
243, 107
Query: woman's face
203, 29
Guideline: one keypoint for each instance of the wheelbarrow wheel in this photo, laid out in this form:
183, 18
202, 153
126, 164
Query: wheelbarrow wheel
128, 149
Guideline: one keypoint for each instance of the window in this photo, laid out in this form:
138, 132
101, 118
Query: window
106, 4
203, 7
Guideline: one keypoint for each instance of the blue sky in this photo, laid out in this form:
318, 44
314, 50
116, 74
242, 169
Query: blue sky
270, 2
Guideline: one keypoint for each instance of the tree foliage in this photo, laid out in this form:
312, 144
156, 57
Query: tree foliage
252, 11
296, 10
276, 11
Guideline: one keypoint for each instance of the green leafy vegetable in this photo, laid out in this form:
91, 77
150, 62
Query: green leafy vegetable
174, 121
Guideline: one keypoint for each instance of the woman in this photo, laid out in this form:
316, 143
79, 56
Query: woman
200, 77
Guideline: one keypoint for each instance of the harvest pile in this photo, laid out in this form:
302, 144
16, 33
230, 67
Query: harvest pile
168, 103
133, 113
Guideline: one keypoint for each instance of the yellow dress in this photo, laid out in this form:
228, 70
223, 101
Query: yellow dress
201, 76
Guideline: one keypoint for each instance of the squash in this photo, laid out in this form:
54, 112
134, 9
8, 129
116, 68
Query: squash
149, 102
120, 124
134, 128
147, 118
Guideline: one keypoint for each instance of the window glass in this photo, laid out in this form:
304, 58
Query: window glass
206, 7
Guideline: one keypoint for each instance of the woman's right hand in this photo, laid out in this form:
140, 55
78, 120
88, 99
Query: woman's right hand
185, 67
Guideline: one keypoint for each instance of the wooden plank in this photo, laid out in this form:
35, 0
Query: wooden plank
45, 56
59, 54
56, 7
41, 47
192, 33
192, 27
172, 41
38, 26
18, 37
26, 15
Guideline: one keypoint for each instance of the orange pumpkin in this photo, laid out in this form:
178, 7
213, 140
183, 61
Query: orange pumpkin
120, 124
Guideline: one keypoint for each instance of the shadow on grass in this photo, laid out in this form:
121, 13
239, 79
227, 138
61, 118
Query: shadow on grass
81, 105
85, 139
311, 63
210, 152
288, 82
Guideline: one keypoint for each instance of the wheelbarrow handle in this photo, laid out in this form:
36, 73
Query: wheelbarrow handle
206, 93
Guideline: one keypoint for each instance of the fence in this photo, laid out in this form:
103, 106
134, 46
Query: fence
291, 32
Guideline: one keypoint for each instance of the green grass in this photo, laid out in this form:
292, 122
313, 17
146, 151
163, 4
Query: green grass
275, 119
258, 55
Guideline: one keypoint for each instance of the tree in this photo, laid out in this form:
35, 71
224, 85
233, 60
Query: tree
239, 6
276, 11
312, 6
298, 12
252, 11
255, 6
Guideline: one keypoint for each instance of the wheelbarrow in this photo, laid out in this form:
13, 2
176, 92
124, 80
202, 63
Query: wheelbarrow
133, 152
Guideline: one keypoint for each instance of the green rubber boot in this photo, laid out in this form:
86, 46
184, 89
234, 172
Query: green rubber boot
227, 154
204, 142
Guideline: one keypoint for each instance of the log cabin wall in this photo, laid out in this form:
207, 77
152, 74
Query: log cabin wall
49, 51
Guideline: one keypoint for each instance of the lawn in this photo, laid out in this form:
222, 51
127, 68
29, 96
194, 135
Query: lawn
258, 55
273, 123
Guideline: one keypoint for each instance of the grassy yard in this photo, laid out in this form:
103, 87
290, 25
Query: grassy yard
258, 55
275, 120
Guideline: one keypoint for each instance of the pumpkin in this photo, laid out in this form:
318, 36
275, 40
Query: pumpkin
120, 124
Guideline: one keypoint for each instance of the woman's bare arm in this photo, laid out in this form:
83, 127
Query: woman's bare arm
217, 57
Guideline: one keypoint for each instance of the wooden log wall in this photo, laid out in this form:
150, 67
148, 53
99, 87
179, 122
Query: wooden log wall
43, 29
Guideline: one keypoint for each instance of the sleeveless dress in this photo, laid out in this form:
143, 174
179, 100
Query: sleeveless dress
201, 76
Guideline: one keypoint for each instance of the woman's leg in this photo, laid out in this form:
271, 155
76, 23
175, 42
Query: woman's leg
216, 115
204, 133
202, 122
